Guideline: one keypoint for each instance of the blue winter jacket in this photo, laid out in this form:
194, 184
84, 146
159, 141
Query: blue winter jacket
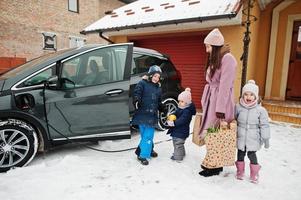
149, 96
184, 116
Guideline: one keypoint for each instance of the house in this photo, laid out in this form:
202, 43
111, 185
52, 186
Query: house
178, 28
31, 28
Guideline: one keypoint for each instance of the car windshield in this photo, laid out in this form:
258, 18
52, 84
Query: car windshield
32, 63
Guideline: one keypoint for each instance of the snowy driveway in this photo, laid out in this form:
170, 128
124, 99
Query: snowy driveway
76, 173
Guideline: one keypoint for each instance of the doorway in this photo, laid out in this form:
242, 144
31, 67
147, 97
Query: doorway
293, 90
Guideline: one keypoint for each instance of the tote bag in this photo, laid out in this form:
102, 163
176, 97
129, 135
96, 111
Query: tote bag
221, 146
196, 130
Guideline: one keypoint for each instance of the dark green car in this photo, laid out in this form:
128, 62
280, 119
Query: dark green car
79, 94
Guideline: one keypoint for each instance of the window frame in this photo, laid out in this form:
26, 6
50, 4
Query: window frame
52, 37
77, 6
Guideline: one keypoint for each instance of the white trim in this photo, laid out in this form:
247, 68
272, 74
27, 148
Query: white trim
272, 47
178, 27
287, 53
95, 48
120, 133
15, 86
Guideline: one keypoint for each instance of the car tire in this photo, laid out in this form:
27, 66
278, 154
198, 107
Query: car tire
18, 145
171, 105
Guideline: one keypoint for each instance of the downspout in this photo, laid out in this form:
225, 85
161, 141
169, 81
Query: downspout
246, 41
105, 38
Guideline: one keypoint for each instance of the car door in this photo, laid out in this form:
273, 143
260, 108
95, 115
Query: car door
93, 94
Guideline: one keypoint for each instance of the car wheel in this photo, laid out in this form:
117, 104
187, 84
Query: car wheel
18, 145
171, 105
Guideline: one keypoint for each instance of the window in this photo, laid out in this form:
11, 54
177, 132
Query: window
73, 6
49, 41
141, 63
96, 67
39, 78
76, 41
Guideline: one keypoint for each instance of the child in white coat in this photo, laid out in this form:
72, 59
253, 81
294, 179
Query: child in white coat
253, 130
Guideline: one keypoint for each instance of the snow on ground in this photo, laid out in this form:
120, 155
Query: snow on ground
76, 173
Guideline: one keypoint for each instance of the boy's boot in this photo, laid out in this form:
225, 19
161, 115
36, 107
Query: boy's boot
254, 169
240, 165
137, 151
143, 161
154, 154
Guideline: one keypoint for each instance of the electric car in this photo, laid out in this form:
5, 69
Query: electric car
79, 94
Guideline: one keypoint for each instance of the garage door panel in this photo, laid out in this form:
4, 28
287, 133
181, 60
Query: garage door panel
188, 55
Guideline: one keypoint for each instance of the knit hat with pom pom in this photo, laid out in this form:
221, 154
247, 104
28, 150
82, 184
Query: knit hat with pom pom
185, 96
214, 38
251, 87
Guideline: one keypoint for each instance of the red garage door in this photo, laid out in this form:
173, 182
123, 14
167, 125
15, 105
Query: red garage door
188, 55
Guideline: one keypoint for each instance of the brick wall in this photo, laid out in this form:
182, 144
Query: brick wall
22, 23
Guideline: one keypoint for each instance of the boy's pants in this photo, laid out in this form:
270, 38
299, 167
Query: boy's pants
179, 149
146, 141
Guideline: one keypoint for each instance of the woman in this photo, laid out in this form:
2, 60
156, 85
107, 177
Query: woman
218, 97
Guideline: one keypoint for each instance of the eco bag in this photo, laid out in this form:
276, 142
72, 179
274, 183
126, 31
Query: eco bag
196, 130
221, 146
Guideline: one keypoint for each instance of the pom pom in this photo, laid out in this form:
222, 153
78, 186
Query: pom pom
187, 89
251, 81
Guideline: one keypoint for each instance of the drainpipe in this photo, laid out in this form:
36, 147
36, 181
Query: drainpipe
105, 38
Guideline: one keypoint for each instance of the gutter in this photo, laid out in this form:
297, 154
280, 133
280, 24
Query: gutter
105, 38
100, 35
168, 22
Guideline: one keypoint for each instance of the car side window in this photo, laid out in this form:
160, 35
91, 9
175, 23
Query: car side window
96, 67
39, 78
141, 63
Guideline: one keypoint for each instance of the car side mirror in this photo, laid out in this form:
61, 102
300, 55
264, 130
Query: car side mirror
66, 83
51, 82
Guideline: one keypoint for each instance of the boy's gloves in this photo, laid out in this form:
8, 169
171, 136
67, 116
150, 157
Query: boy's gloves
266, 144
145, 77
170, 123
137, 104
220, 115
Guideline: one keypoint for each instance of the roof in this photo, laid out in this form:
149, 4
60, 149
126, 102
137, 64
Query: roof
146, 13
263, 3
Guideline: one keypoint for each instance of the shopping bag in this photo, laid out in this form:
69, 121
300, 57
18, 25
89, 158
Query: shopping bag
221, 146
196, 130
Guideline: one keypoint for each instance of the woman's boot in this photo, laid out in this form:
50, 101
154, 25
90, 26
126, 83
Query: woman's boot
210, 172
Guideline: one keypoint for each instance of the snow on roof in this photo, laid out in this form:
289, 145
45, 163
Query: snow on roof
146, 13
